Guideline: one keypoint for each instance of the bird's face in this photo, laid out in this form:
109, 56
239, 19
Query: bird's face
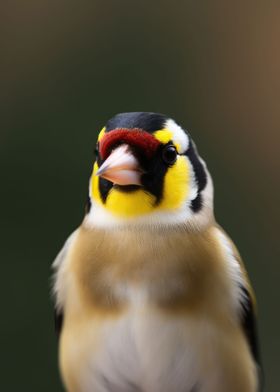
147, 169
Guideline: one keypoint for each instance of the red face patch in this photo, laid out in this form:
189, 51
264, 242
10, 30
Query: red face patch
133, 137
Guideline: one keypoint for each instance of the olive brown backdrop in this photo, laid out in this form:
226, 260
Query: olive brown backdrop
67, 67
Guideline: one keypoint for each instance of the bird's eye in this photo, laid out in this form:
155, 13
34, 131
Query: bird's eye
169, 154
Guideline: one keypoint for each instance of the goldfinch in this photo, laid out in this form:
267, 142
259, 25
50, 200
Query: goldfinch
151, 294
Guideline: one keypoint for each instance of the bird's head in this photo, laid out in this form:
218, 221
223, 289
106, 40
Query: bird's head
148, 171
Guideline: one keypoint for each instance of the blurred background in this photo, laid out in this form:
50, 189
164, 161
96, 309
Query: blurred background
66, 68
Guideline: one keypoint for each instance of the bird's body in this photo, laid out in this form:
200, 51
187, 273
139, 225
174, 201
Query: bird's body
154, 301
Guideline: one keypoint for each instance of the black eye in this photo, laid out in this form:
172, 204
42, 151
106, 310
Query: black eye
169, 154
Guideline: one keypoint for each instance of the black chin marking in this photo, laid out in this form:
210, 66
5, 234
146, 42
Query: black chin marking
104, 188
127, 188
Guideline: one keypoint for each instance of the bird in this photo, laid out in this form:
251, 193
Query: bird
151, 294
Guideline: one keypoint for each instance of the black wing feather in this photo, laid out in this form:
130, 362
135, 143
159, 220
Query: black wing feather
58, 322
249, 326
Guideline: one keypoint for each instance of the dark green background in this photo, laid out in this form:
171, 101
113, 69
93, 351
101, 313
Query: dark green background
69, 66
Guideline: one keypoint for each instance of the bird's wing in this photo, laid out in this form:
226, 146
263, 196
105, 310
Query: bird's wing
249, 325
58, 281
247, 301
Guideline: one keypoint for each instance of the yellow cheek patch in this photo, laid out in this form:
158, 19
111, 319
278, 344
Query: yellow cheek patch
101, 133
176, 185
164, 136
139, 202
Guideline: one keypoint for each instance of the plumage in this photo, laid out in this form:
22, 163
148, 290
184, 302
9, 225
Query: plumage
153, 293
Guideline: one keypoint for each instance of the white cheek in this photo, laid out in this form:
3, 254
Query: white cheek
179, 136
192, 183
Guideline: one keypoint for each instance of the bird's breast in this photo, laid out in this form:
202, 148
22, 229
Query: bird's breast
140, 349
142, 310
172, 270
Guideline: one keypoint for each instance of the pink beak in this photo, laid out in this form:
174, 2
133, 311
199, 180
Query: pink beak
121, 167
